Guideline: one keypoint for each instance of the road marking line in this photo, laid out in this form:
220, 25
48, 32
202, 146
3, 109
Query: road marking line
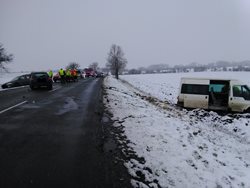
12, 88
7, 109
54, 89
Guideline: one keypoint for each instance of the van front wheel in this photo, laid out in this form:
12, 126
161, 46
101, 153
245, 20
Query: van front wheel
180, 104
248, 110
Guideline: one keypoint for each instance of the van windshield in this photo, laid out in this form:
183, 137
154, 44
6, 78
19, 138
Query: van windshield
241, 91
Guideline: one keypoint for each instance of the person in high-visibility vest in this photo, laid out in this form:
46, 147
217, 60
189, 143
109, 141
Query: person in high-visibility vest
62, 75
68, 75
72, 74
75, 75
50, 73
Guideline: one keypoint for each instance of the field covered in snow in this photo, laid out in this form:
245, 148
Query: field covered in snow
167, 146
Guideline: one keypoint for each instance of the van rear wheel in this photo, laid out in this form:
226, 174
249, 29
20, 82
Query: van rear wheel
248, 110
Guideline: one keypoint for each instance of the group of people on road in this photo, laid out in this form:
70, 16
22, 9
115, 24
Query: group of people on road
68, 75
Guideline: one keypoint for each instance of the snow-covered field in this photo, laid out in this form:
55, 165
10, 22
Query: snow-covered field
171, 147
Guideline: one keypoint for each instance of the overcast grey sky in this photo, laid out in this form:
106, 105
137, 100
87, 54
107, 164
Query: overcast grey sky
44, 34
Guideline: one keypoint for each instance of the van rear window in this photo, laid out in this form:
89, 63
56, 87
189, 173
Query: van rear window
196, 89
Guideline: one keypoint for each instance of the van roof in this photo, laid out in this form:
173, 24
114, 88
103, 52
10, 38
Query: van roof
197, 78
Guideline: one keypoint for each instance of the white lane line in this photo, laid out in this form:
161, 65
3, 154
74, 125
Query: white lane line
12, 88
55, 89
19, 104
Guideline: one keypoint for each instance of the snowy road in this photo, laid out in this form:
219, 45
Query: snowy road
55, 138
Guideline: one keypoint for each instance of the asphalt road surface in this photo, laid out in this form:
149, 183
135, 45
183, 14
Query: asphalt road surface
56, 138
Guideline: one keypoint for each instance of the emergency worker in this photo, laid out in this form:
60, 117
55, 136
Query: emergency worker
68, 75
62, 75
50, 73
74, 75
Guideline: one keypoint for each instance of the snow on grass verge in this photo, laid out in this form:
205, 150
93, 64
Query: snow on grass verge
179, 148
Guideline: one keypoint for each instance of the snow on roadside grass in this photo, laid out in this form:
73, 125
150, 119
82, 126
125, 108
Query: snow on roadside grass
180, 150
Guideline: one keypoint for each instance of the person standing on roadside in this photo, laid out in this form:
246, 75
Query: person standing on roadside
50, 73
62, 75
74, 74
68, 75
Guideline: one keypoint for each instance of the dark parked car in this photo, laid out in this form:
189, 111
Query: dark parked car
99, 74
18, 81
89, 72
40, 79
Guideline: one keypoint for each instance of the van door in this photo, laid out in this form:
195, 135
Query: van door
240, 98
195, 95
218, 94
196, 101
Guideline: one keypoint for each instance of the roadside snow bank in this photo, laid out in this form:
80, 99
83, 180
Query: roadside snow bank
179, 148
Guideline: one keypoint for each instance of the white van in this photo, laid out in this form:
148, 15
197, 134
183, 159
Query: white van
214, 94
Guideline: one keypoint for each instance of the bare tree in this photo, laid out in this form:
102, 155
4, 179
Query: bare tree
116, 61
73, 65
94, 66
4, 58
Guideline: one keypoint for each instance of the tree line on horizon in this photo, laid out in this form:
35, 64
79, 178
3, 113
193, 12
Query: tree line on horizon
192, 67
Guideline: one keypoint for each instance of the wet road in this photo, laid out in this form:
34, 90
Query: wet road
55, 138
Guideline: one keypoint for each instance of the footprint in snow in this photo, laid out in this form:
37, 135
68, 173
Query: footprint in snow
191, 163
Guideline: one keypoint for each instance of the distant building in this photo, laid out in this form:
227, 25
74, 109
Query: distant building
125, 72
229, 68
190, 70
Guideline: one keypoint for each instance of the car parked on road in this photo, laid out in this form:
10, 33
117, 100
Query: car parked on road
40, 79
90, 72
17, 81
99, 74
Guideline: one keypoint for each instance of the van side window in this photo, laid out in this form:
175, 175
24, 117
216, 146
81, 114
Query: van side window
196, 89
